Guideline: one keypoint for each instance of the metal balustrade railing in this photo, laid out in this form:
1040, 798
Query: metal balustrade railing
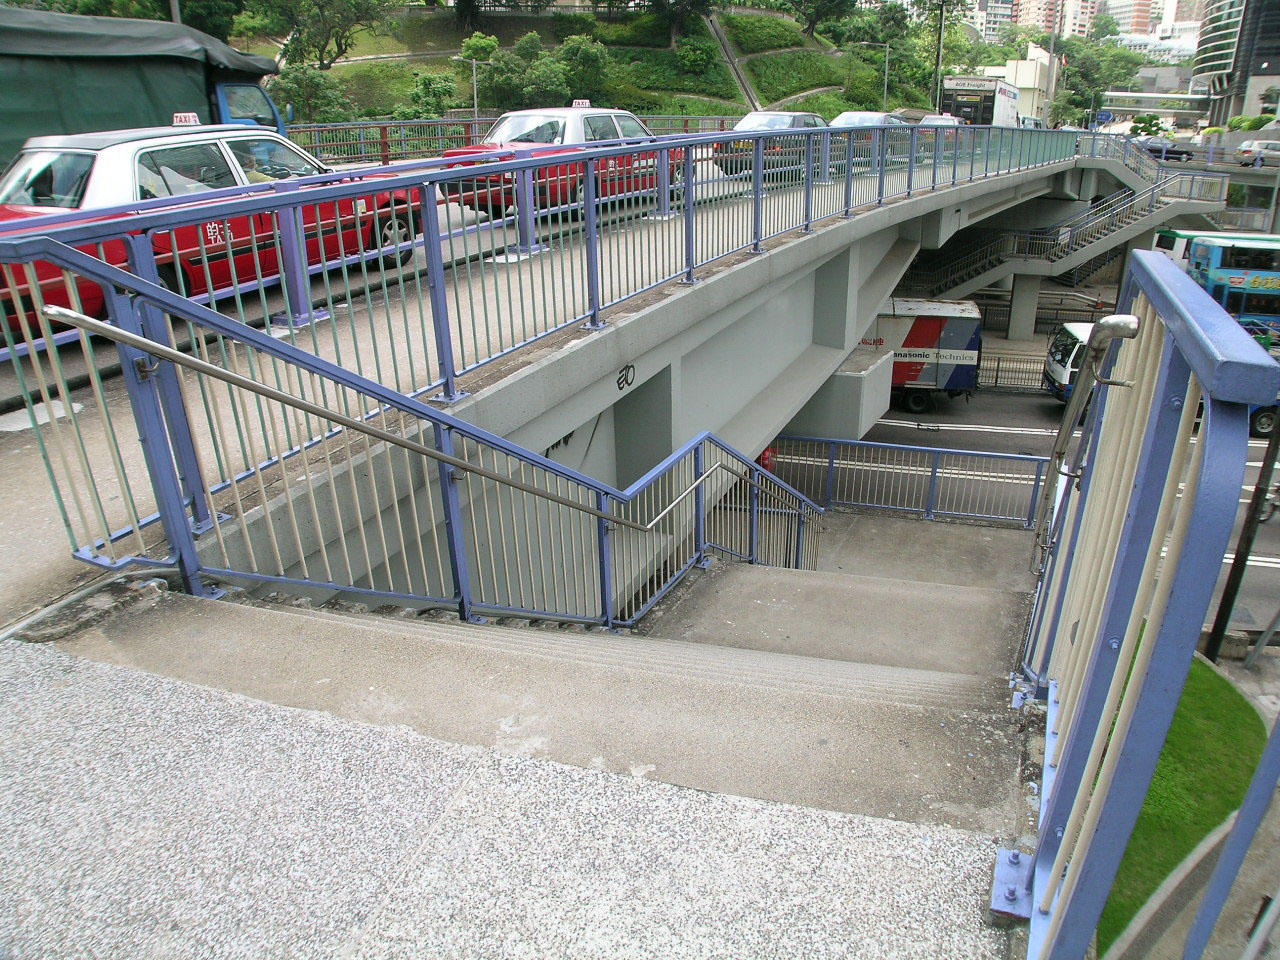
1102, 219
1137, 520
419, 273
389, 141
933, 482
264, 466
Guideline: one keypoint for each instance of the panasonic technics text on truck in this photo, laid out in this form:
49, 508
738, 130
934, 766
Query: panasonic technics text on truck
936, 344
61, 73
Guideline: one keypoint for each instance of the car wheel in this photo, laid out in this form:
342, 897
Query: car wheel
397, 231
1262, 421
167, 277
677, 182
916, 401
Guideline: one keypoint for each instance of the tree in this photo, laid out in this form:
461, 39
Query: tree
813, 12
1104, 25
529, 47
320, 31
214, 17
433, 94
1146, 124
479, 46
675, 12
316, 97
586, 62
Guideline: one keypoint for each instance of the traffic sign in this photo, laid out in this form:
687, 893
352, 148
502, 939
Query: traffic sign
1105, 116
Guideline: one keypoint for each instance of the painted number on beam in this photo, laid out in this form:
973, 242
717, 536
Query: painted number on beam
626, 376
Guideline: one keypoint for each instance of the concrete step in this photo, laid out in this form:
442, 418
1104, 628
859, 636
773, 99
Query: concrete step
904, 744
761, 670
837, 616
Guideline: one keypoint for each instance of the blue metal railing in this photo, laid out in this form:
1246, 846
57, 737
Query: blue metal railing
611, 222
1141, 523
933, 482
507, 532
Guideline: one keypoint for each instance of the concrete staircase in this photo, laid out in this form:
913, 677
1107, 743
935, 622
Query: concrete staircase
395, 783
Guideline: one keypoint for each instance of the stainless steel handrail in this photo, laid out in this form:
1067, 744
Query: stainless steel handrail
90, 325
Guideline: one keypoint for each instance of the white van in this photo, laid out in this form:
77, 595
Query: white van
1065, 355
1031, 123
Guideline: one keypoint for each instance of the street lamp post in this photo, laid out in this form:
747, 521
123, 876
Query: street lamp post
884, 100
475, 95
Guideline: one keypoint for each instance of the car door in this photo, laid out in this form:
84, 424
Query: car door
211, 255
610, 173
642, 166
330, 229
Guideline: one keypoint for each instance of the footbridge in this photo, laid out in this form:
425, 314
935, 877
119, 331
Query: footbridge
534, 389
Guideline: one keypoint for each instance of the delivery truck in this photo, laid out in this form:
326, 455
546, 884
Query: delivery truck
983, 101
62, 74
936, 344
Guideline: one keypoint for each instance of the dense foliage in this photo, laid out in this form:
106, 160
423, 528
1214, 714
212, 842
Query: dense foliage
785, 74
753, 34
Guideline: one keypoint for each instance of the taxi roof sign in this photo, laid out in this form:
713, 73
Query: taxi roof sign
186, 119
582, 103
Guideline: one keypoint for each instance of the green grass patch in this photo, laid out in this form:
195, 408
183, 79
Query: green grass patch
418, 31
263, 48
377, 87
826, 104
659, 70
1213, 746
752, 33
640, 30
784, 74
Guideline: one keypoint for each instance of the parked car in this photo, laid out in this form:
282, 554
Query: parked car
94, 171
736, 156
1162, 148
560, 133
940, 120
1258, 153
867, 118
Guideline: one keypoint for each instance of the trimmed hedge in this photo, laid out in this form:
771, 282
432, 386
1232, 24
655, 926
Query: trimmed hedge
785, 74
660, 70
754, 34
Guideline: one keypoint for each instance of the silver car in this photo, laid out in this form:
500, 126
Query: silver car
1258, 153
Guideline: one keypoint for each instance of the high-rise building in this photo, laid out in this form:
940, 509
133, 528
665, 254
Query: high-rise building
1064, 17
990, 16
1238, 56
1132, 16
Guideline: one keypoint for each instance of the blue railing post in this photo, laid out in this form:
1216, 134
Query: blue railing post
829, 487
440, 322
808, 184
293, 262
690, 230
933, 486
459, 566
799, 562
143, 387
939, 138
591, 243
911, 161
1035, 487
604, 541
699, 510
879, 155
955, 155
526, 208
986, 156
153, 325
753, 522
757, 186
848, 175
824, 156
664, 183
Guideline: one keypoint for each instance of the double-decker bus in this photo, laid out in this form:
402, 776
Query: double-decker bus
1241, 274
1176, 243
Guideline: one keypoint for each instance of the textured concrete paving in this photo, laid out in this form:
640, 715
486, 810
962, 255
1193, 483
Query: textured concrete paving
149, 818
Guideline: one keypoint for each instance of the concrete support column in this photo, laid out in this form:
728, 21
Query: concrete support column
1023, 303
1143, 241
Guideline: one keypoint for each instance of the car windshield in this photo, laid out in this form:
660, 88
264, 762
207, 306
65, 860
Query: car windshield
47, 178
763, 121
859, 120
527, 128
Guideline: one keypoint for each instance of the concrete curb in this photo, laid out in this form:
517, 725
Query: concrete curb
1187, 881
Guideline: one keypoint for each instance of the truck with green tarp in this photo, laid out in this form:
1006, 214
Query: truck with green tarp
61, 73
